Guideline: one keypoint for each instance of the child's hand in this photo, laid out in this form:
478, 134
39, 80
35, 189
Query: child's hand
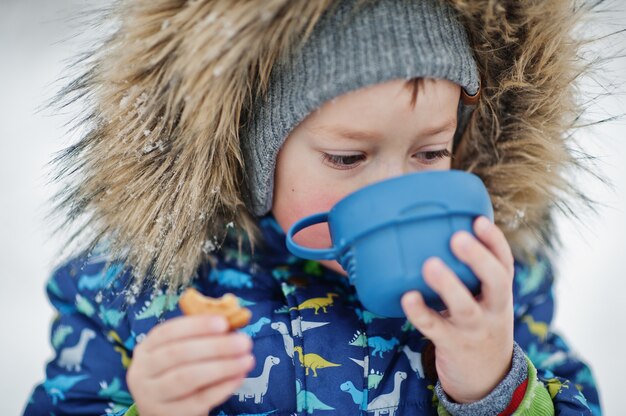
188, 365
473, 338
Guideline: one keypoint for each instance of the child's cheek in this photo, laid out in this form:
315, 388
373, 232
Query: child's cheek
315, 236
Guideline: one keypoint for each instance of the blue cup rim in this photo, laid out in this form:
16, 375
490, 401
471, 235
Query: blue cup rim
339, 247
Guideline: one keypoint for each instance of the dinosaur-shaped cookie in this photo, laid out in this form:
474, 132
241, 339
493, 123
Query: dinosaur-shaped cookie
193, 302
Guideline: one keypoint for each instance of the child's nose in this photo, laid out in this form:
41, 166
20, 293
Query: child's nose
393, 168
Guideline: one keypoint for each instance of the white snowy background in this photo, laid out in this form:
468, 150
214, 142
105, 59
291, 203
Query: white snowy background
36, 39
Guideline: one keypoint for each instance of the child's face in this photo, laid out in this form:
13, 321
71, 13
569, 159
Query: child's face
394, 139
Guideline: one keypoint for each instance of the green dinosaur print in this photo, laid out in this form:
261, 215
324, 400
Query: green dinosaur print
84, 306
359, 339
113, 391
110, 317
408, 326
60, 334
531, 279
282, 309
373, 379
158, 305
366, 315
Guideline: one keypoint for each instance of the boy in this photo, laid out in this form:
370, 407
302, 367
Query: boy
215, 114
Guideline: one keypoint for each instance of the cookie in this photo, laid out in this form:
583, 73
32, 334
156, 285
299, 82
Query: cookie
192, 302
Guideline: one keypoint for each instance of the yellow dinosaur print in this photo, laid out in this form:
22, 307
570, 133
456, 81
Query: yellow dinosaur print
540, 329
126, 360
312, 361
555, 386
316, 303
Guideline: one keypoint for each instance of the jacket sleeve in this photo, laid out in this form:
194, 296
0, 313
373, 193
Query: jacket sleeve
567, 377
87, 374
546, 377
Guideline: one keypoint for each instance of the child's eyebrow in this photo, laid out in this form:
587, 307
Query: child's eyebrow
348, 133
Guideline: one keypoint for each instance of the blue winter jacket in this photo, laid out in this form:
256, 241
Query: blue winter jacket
317, 350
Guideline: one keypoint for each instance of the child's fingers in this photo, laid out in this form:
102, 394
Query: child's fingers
183, 327
203, 401
488, 269
183, 380
494, 239
459, 300
425, 319
190, 350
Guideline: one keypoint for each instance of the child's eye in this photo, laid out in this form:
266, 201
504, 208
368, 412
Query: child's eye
342, 161
352, 161
434, 155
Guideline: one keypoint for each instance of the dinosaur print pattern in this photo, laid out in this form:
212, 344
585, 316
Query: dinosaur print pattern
388, 403
155, 307
256, 387
255, 328
415, 360
317, 303
380, 345
57, 386
60, 334
287, 338
72, 357
308, 401
313, 361
231, 278
99, 280
318, 350
113, 391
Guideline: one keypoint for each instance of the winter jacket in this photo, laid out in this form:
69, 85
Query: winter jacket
158, 176
317, 350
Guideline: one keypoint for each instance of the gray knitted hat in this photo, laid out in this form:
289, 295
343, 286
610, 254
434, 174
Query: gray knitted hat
352, 47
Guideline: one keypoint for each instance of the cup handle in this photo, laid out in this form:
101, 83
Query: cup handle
305, 252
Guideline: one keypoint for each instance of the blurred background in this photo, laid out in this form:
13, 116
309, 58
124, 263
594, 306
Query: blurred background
37, 40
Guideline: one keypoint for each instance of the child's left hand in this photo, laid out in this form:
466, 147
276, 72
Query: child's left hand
473, 338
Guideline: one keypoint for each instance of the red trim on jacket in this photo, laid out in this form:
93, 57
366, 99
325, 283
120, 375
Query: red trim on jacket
518, 395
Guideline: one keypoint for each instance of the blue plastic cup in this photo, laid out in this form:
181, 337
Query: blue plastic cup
384, 232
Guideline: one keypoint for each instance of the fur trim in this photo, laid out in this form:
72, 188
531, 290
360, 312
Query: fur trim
159, 172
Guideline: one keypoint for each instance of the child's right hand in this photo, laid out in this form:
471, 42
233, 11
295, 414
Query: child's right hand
188, 365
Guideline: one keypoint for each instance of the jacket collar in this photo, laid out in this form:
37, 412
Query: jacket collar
272, 263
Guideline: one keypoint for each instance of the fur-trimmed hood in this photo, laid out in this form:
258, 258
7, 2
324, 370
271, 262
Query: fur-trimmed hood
158, 173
